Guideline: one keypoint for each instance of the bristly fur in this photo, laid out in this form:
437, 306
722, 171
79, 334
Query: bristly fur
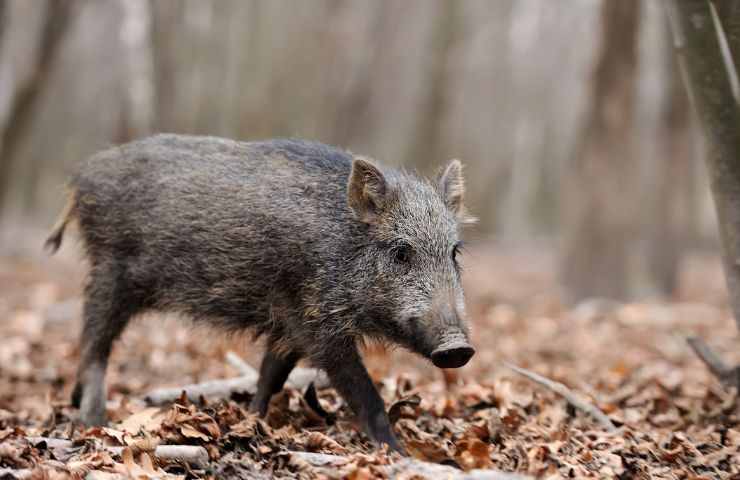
298, 242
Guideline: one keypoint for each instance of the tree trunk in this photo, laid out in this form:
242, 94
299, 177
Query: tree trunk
428, 144
599, 214
709, 81
729, 15
668, 225
23, 101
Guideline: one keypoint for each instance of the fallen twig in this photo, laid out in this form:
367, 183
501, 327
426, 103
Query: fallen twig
300, 378
212, 389
730, 377
20, 473
406, 467
192, 454
245, 369
568, 395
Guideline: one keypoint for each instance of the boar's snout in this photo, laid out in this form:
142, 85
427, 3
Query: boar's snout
452, 355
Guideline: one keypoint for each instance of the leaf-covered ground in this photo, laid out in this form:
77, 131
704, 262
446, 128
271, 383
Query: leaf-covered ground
672, 419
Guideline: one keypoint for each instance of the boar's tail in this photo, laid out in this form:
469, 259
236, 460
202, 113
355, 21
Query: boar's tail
54, 240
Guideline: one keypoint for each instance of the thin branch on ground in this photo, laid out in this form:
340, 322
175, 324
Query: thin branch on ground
568, 395
299, 379
244, 369
407, 467
16, 473
191, 454
214, 389
728, 376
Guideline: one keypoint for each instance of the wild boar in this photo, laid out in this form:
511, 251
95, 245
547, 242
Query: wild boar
306, 245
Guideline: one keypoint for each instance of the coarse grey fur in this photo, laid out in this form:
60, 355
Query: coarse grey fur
302, 243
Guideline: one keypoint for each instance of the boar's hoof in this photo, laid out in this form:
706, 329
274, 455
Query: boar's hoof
452, 356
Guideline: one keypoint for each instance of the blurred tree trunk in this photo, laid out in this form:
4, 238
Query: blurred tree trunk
710, 75
22, 105
669, 223
598, 194
427, 145
138, 95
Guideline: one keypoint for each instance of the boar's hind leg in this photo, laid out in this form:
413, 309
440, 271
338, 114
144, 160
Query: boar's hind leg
274, 372
350, 378
107, 310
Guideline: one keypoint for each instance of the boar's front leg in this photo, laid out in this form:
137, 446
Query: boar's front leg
274, 372
349, 377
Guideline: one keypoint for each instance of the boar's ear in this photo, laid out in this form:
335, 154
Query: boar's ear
366, 190
452, 188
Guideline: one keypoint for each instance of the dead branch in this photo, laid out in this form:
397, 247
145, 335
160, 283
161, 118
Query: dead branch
18, 474
300, 378
320, 459
568, 395
212, 389
243, 367
406, 467
192, 454
15, 123
730, 377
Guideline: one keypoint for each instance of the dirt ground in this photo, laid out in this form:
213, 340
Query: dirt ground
670, 418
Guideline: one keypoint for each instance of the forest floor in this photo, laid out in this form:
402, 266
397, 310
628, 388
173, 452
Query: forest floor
671, 418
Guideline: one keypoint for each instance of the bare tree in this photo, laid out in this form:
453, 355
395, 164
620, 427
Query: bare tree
707, 59
598, 211
670, 194
139, 96
428, 141
25, 96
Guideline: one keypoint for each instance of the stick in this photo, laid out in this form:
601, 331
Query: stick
192, 454
406, 466
300, 378
320, 459
303, 377
565, 392
211, 389
20, 474
245, 369
730, 377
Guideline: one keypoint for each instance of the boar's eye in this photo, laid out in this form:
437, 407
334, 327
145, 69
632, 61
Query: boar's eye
403, 253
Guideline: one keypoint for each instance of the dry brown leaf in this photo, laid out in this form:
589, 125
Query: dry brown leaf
191, 432
473, 453
319, 441
149, 419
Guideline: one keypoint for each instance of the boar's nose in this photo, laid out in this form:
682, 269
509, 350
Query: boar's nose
452, 355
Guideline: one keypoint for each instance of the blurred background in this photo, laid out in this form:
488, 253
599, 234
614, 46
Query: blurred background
584, 165
579, 144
